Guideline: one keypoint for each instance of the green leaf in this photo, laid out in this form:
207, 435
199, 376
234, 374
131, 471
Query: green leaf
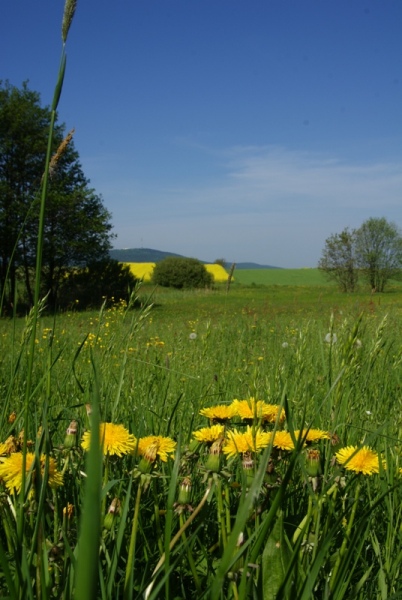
275, 560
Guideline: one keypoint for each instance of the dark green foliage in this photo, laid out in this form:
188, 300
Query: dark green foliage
77, 226
181, 273
101, 280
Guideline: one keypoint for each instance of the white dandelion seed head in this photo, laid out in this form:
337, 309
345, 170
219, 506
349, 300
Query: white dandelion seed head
192, 336
331, 338
285, 344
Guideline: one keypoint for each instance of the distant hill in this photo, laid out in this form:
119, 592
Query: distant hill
140, 255
146, 255
251, 265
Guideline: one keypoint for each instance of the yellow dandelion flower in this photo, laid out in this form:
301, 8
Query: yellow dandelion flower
209, 434
252, 440
360, 460
283, 441
11, 470
312, 435
257, 409
115, 439
217, 413
154, 446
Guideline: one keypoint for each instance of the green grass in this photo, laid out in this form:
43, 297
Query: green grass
146, 373
280, 277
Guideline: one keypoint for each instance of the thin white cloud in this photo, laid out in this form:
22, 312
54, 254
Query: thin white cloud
278, 173
267, 205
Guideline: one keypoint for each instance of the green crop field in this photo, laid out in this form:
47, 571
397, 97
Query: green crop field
280, 277
299, 277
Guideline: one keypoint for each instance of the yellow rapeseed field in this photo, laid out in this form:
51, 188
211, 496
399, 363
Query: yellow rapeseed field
141, 270
144, 271
218, 272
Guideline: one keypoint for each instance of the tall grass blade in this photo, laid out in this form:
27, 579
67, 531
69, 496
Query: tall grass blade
86, 585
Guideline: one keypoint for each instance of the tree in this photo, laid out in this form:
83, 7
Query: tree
221, 261
103, 280
181, 273
78, 227
379, 252
338, 260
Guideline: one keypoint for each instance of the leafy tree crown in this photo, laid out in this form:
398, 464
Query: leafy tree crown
181, 273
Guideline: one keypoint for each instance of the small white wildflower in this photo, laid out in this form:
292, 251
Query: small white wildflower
368, 412
192, 336
331, 338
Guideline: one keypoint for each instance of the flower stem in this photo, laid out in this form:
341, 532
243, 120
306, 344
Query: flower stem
345, 539
221, 513
128, 582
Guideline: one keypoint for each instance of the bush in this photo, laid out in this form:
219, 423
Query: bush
181, 273
104, 279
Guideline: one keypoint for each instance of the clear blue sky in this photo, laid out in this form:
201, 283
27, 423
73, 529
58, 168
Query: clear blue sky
244, 129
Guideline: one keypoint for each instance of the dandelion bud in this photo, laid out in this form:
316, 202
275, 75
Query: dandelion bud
112, 512
71, 435
313, 462
214, 459
184, 491
148, 459
247, 464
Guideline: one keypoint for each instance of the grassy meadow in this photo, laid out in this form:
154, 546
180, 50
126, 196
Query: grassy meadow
197, 496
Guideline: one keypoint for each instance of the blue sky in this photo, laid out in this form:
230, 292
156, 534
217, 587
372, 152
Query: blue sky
244, 129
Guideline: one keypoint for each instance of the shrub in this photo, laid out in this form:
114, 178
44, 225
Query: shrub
181, 273
104, 279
